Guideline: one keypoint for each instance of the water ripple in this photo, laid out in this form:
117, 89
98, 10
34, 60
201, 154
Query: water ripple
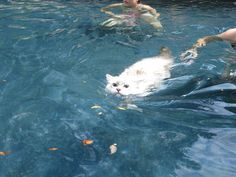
209, 154
54, 58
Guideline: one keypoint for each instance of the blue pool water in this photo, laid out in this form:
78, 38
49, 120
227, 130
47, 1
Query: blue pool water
53, 60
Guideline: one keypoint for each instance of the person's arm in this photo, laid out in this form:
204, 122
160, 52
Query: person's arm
203, 41
229, 35
150, 10
107, 11
192, 52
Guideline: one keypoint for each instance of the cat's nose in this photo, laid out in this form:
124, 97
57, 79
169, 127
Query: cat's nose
118, 90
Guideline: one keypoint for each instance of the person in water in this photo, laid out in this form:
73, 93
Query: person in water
131, 11
229, 36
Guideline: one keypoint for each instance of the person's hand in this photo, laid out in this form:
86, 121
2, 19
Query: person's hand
189, 54
200, 42
157, 15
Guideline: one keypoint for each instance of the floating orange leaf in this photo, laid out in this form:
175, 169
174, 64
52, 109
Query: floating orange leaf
3, 153
87, 142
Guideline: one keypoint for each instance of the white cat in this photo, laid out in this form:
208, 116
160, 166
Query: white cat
141, 78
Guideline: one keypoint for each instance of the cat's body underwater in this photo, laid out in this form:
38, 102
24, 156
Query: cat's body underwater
143, 77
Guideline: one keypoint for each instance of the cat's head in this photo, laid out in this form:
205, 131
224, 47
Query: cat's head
118, 86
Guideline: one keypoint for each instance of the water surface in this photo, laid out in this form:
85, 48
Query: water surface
53, 61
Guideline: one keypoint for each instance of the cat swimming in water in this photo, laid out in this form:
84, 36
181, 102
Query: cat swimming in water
143, 77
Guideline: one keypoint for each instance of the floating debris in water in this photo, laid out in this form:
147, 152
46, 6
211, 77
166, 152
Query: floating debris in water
87, 142
129, 106
53, 149
100, 113
121, 108
3, 153
134, 107
96, 107
126, 44
113, 148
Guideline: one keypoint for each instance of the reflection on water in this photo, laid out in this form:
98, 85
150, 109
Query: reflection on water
209, 153
54, 57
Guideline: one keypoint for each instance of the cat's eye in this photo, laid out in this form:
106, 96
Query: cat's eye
114, 85
126, 86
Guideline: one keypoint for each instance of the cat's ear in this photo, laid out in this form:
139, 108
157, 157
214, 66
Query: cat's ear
109, 77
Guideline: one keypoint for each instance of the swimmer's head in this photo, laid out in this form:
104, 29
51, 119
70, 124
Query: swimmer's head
131, 3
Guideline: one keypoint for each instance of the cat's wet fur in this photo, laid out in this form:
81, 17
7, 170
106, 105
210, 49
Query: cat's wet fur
143, 77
